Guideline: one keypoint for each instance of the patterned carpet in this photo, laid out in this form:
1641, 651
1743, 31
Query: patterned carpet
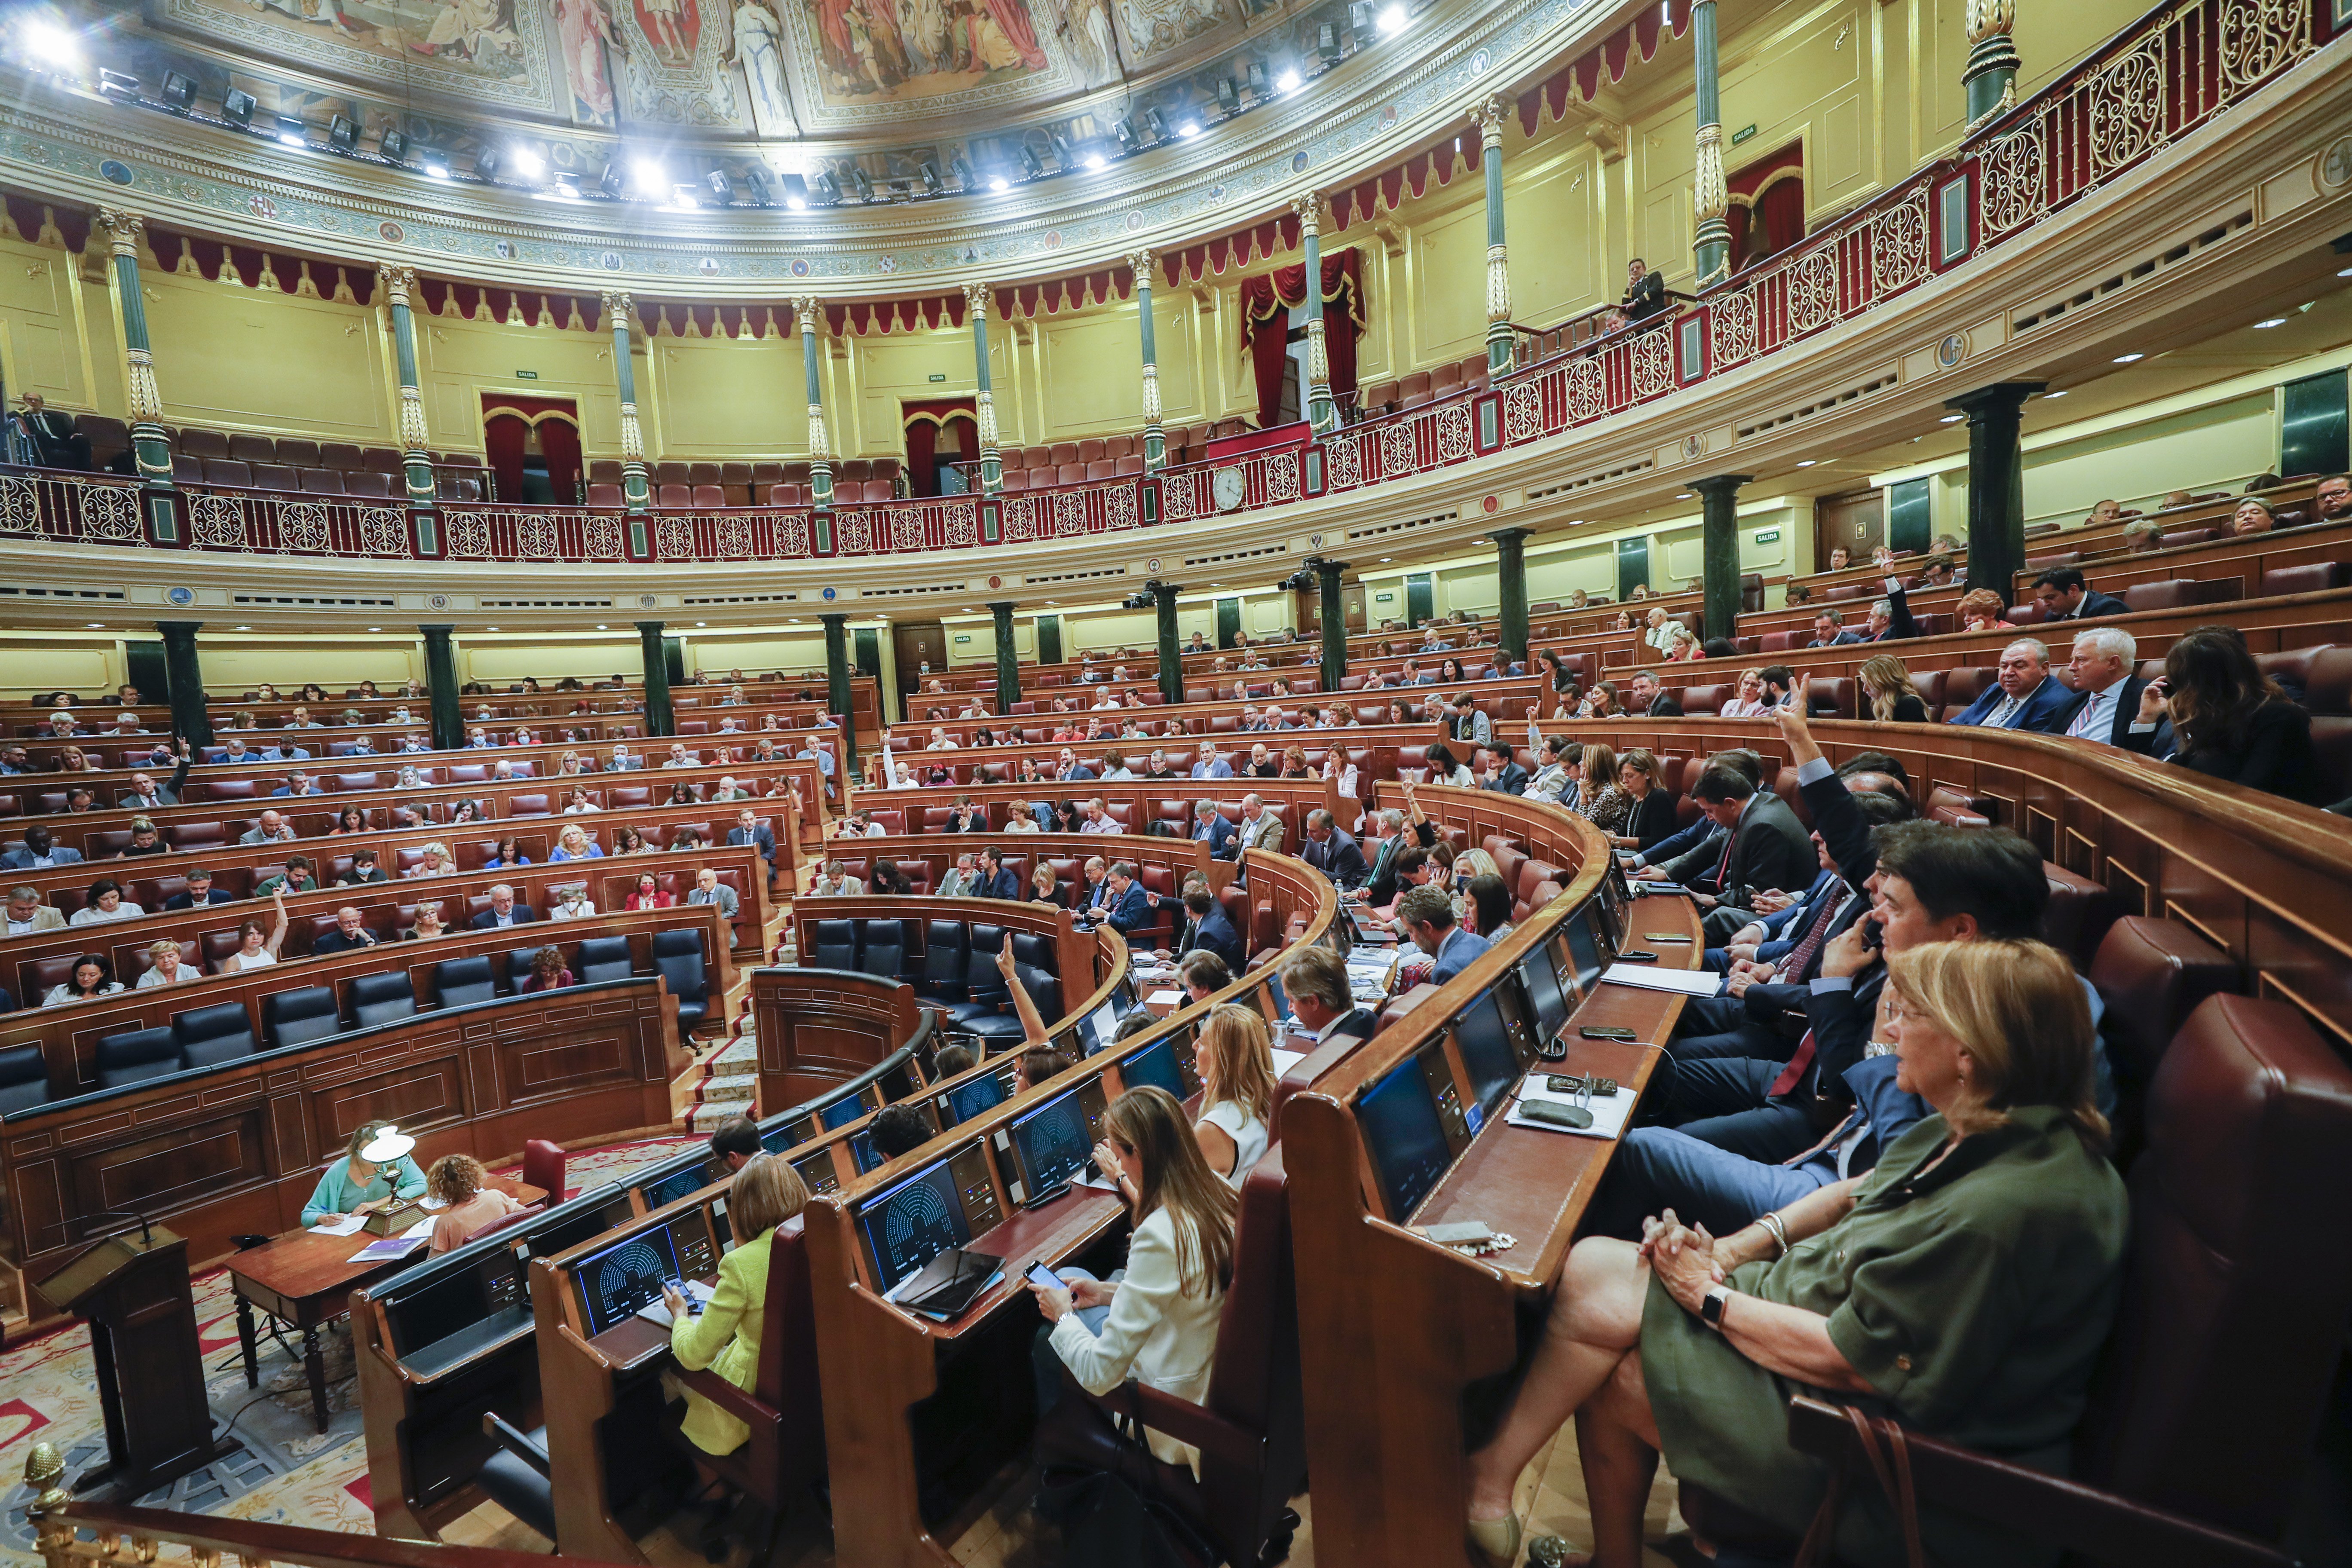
730, 1075
283, 1470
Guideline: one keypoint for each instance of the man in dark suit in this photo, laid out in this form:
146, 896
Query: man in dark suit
350, 932
1129, 907
996, 879
1645, 292
1213, 827
2106, 693
58, 443
1495, 770
1331, 851
2026, 697
2063, 595
748, 830
503, 910
1315, 983
1650, 699
200, 891
1767, 848
1828, 630
146, 795
1213, 928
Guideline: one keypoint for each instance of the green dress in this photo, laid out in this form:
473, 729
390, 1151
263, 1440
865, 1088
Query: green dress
1974, 1299
725, 1337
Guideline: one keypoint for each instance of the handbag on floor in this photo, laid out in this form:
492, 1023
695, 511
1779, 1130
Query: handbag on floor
1111, 1508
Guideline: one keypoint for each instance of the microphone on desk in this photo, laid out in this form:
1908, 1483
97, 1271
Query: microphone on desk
146, 1234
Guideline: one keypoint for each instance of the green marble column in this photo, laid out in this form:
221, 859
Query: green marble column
659, 718
991, 461
1334, 614
1719, 552
1490, 117
806, 314
1322, 413
1171, 652
441, 689
1511, 582
836, 691
1996, 483
1711, 203
1008, 658
1155, 436
1990, 75
185, 678
637, 492
147, 444
399, 285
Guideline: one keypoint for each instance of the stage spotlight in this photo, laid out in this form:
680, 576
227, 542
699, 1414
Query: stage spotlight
392, 144
179, 90
796, 193
342, 134
237, 107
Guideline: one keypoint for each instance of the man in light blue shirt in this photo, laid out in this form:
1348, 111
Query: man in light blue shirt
2106, 692
1212, 766
1426, 915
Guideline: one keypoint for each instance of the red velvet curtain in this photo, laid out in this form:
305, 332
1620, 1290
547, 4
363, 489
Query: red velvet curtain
1773, 217
1266, 325
506, 435
560, 440
922, 438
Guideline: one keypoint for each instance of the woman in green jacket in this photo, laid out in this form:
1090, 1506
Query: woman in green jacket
1964, 1288
725, 1335
375, 1170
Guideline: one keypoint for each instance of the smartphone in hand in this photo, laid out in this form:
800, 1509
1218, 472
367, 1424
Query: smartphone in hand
1045, 1279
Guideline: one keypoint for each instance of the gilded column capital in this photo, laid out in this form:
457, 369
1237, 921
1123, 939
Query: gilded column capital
1309, 208
1140, 262
808, 317
975, 299
125, 227
399, 282
617, 305
1490, 116
1990, 19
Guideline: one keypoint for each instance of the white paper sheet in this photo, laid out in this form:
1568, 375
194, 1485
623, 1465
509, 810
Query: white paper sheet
1608, 1115
1164, 999
1650, 977
340, 1224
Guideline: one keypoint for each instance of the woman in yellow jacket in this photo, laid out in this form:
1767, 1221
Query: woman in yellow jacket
725, 1335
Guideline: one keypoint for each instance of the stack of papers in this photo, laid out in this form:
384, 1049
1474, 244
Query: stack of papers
1650, 977
1609, 1114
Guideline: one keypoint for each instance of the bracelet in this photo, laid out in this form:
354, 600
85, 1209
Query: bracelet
1779, 1231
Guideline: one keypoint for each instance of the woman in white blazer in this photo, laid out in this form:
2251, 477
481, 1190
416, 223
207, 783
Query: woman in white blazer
1162, 1326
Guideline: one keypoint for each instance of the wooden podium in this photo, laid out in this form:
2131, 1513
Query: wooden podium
133, 1292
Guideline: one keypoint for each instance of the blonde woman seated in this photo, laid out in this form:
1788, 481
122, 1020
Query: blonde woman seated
1161, 1326
433, 860
1598, 798
459, 1181
1748, 701
428, 925
725, 1335
375, 1170
573, 844
166, 967
1965, 1287
571, 903
1885, 682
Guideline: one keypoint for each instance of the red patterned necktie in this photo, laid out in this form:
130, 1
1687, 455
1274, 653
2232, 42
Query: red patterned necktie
1803, 953
1795, 1071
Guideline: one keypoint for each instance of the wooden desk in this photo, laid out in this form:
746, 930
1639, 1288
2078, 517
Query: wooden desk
304, 1279
1395, 1329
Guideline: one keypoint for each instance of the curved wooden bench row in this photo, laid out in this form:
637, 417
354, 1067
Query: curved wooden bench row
205, 936
699, 693
2218, 562
68, 1035
795, 1009
543, 758
103, 832
238, 1148
239, 869
2262, 878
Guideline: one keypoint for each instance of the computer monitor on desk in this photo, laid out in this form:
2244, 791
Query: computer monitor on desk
663, 1187
843, 1112
588, 1221
1495, 1043
912, 1220
1053, 1144
1587, 960
1539, 978
1414, 1127
617, 1279
1169, 1062
451, 1299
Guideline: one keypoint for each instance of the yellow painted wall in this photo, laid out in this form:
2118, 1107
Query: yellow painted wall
755, 657
89, 668
458, 360
721, 398
229, 357
894, 368
43, 346
2216, 448
232, 668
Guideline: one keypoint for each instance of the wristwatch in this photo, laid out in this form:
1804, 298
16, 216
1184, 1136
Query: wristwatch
1710, 1307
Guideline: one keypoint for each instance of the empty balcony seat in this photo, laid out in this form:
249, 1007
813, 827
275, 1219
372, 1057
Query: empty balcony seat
206, 444
269, 475
1101, 468
321, 481
226, 471
298, 452
709, 498
254, 448
674, 496
381, 460
783, 495
604, 495
702, 474
187, 470
371, 487
604, 470
672, 474
343, 454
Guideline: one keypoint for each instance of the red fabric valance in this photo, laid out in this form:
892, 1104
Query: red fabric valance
1609, 59
473, 302
1056, 294
1242, 248
244, 264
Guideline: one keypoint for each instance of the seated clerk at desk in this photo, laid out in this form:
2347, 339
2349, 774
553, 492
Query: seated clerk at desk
375, 1170
735, 1142
1968, 1283
459, 1181
1160, 1318
725, 1335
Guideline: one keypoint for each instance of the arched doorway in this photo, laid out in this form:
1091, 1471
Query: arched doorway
943, 439
534, 447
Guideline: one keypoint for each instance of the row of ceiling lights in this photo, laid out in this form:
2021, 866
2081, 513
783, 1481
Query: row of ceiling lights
647, 177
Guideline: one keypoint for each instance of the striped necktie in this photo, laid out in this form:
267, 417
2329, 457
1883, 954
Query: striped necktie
2084, 723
